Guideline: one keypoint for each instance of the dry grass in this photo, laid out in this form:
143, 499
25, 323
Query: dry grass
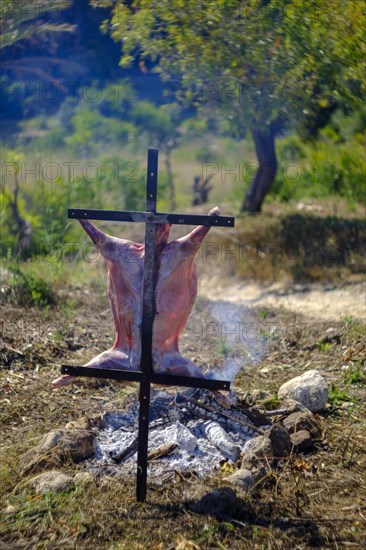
306, 501
293, 246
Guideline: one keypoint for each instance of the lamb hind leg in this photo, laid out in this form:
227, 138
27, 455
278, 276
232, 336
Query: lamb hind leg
111, 359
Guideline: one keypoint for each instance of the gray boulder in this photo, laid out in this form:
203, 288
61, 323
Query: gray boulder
302, 441
56, 448
280, 440
260, 447
241, 479
309, 389
51, 481
303, 420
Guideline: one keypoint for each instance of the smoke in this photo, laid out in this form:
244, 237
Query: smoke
239, 339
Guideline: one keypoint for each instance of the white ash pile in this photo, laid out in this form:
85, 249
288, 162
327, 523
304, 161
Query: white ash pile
193, 432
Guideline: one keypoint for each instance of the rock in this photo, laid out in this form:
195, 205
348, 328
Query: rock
302, 441
80, 423
249, 461
256, 454
221, 503
259, 446
304, 420
51, 481
280, 440
241, 479
258, 467
56, 448
309, 389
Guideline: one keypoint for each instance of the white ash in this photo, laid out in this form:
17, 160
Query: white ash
203, 439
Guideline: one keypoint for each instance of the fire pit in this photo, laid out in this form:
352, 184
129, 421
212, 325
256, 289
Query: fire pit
190, 433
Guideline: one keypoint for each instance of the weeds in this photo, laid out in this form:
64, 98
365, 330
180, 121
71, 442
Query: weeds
224, 349
272, 403
353, 373
27, 291
267, 334
324, 346
349, 451
337, 397
347, 319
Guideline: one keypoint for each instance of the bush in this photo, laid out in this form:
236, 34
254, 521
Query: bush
28, 291
320, 169
205, 155
92, 128
290, 149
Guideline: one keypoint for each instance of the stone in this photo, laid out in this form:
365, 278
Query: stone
256, 451
304, 420
53, 480
249, 461
309, 389
220, 503
241, 479
255, 465
302, 441
80, 423
280, 440
56, 448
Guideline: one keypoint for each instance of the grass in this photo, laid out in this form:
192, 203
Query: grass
353, 373
27, 290
297, 504
336, 396
324, 346
291, 246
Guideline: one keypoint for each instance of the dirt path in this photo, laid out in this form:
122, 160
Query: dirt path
320, 301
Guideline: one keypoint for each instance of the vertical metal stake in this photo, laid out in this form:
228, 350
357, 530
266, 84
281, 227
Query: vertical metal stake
142, 449
148, 310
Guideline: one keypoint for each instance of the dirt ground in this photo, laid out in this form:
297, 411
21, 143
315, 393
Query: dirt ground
315, 500
319, 300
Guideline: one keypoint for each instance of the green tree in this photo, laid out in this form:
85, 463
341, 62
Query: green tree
22, 23
23, 20
262, 63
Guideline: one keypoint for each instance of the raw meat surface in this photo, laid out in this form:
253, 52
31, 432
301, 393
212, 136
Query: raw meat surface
175, 291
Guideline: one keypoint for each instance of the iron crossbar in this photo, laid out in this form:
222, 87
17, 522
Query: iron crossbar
137, 376
150, 217
145, 376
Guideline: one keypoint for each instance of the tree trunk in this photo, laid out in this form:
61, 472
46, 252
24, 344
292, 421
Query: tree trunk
168, 166
265, 148
25, 230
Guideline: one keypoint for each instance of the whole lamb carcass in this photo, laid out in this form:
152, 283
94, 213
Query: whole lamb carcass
175, 292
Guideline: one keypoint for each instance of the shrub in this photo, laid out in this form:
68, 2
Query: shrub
27, 291
320, 169
92, 128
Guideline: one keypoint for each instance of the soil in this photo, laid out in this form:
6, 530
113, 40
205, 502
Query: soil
324, 301
315, 500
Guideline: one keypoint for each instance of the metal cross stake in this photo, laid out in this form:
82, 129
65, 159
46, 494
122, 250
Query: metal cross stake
146, 376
